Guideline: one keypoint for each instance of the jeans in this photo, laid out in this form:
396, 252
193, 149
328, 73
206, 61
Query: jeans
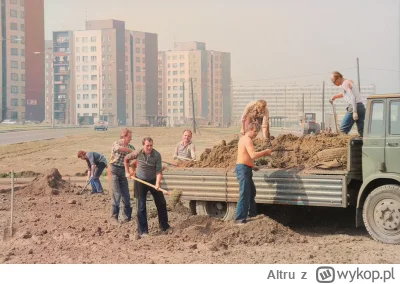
95, 181
159, 199
246, 205
348, 121
120, 188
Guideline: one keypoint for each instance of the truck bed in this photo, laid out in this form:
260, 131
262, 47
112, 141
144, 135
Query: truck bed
274, 186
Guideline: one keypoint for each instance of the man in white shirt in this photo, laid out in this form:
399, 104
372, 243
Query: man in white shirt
355, 109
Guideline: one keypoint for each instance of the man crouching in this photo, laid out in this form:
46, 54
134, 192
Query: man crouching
246, 205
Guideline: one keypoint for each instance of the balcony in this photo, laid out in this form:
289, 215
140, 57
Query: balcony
61, 72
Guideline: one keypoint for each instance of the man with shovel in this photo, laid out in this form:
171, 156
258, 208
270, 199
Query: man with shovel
149, 172
246, 205
355, 109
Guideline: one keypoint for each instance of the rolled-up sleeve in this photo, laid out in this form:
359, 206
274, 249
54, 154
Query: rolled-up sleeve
115, 147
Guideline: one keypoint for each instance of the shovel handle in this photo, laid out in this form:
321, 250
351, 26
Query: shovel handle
149, 184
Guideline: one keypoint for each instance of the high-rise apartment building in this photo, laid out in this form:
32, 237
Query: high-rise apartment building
34, 58
191, 67
112, 74
48, 81
22, 32
141, 79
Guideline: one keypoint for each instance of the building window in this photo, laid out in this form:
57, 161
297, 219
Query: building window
14, 64
14, 89
109, 105
109, 86
22, 102
109, 96
85, 77
78, 96
93, 67
138, 78
137, 50
22, 77
85, 49
14, 77
78, 49
85, 96
94, 97
85, 105
79, 106
85, 68
84, 39
109, 48
78, 68
86, 87
22, 52
13, 13
14, 102
94, 105
22, 2
93, 77
93, 49
137, 40
93, 58
93, 39
22, 27
22, 14
94, 86
22, 65
85, 58
14, 115
14, 1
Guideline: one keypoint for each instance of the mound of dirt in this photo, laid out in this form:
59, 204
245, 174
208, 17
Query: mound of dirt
221, 235
46, 184
305, 151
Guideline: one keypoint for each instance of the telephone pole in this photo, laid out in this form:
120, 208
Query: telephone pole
194, 119
183, 88
358, 74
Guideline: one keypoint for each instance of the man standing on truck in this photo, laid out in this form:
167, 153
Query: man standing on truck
246, 205
355, 109
256, 111
185, 150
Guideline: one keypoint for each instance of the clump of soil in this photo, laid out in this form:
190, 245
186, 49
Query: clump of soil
305, 152
46, 184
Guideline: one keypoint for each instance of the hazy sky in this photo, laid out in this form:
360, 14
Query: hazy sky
268, 40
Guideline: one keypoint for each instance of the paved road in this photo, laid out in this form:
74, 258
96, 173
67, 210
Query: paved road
35, 135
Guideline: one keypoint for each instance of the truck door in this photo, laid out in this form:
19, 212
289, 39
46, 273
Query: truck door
392, 147
374, 138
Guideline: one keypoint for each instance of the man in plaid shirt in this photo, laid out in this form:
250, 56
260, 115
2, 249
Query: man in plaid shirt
119, 182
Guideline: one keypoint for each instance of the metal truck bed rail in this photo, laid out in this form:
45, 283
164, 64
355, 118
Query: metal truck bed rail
273, 186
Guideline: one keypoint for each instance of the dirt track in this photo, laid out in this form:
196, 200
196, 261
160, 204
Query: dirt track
70, 228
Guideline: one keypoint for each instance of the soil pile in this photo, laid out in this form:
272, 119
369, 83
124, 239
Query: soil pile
46, 184
305, 151
220, 235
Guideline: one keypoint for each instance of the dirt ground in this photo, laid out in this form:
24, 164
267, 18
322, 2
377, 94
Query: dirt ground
52, 224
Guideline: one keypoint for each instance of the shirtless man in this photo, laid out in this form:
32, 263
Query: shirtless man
246, 205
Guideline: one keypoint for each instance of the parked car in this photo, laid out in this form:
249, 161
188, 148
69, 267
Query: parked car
101, 124
9, 121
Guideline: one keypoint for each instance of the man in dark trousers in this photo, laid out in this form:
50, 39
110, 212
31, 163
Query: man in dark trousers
149, 169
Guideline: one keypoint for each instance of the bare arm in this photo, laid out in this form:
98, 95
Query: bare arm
337, 96
349, 89
158, 180
252, 152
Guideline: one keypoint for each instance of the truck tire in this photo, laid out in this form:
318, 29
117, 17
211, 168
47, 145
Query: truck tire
381, 214
217, 209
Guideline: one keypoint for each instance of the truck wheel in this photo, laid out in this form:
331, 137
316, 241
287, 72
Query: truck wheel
217, 209
381, 214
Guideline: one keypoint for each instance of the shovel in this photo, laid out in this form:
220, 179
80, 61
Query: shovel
149, 184
334, 116
85, 187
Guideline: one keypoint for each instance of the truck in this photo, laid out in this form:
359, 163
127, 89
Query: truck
370, 184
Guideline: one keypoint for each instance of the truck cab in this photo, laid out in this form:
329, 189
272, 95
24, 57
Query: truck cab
379, 196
